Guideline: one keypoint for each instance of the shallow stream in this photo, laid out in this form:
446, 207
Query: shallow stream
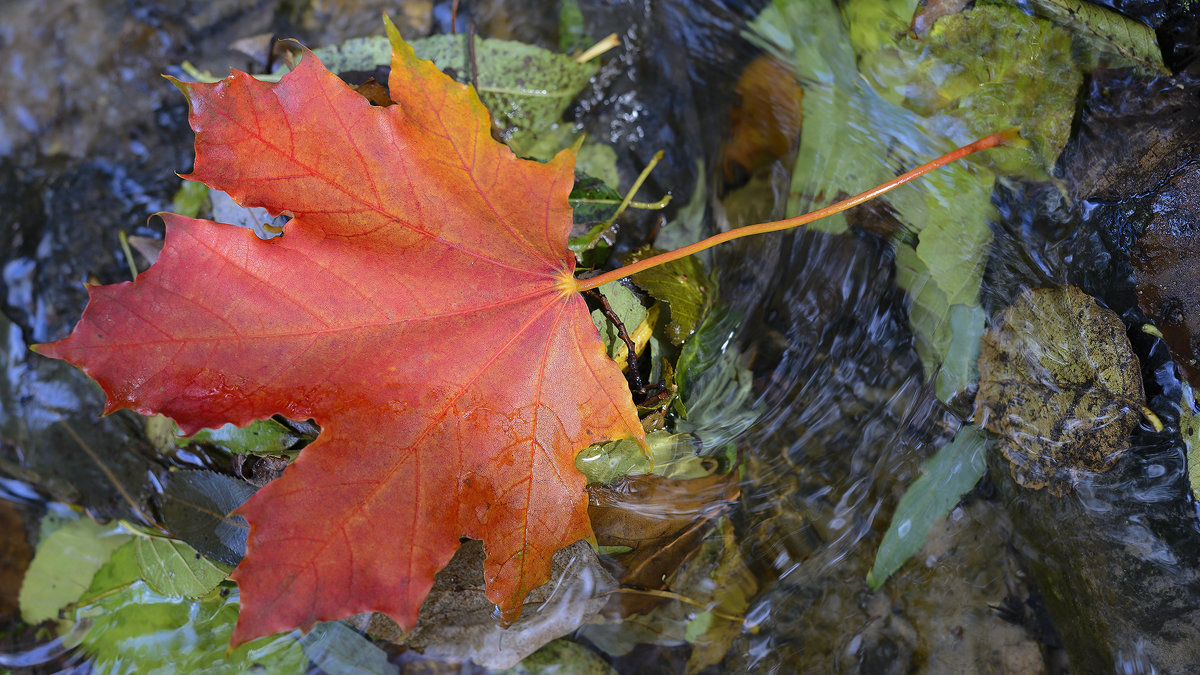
844, 408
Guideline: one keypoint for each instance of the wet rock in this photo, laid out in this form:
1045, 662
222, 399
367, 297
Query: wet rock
1118, 567
458, 623
1167, 260
15, 554
1118, 562
1151, 123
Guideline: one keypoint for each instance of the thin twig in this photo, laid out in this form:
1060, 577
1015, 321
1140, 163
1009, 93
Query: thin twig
128, 253
471, 54
681, 598
624, 335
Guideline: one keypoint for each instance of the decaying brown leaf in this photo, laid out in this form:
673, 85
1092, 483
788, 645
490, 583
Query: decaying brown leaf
1061, 387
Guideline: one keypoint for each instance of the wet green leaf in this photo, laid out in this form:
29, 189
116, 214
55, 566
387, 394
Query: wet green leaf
525, 87
1189, 428
337, 649
174, 569
260, 437
572, 31
857, 135
687, 227
959, 366
592, 201
981, 71
562, 656
197, 508
190, 199
1106, 32
947, 476
716, 391
1060, 385
63, 566
599, 160
356, 54
135, 630
683, 285
606, 462
835, 156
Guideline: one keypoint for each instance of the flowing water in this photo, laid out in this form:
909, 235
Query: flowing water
1012, 581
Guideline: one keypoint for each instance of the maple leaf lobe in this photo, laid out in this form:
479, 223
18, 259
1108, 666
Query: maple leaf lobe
415, 308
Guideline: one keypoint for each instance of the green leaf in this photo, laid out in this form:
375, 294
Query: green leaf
197, 508
683, 285
835, 155
959, 367
592, 200
1189, 428
985, 70
561, 657
338, 649
606, 462
946, 477
174, 569
1106, 32
135, 630
356, 54
525, 87
63, 567
260, 437
572, 33
1061, 387
190, 199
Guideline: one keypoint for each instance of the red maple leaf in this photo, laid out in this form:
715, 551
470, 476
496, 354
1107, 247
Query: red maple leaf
421, 307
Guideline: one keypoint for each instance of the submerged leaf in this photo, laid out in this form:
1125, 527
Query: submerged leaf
946, 477
685, 288
198, 508
1060, 385
337, 649
1107, 32
133, 629
174, 569
1189, 428
63, 566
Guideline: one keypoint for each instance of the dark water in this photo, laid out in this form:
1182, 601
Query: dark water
1012, 581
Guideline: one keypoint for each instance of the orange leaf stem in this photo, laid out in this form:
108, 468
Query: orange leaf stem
992, 141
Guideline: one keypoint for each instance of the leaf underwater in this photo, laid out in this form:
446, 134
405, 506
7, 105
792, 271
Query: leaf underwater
420, 307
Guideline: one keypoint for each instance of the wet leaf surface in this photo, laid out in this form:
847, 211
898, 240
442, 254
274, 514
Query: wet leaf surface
174, 569
685, 288
198, 508
135, 629
337, 649
1060, 386
1106, 32
948, 475
63, 567
661, 522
